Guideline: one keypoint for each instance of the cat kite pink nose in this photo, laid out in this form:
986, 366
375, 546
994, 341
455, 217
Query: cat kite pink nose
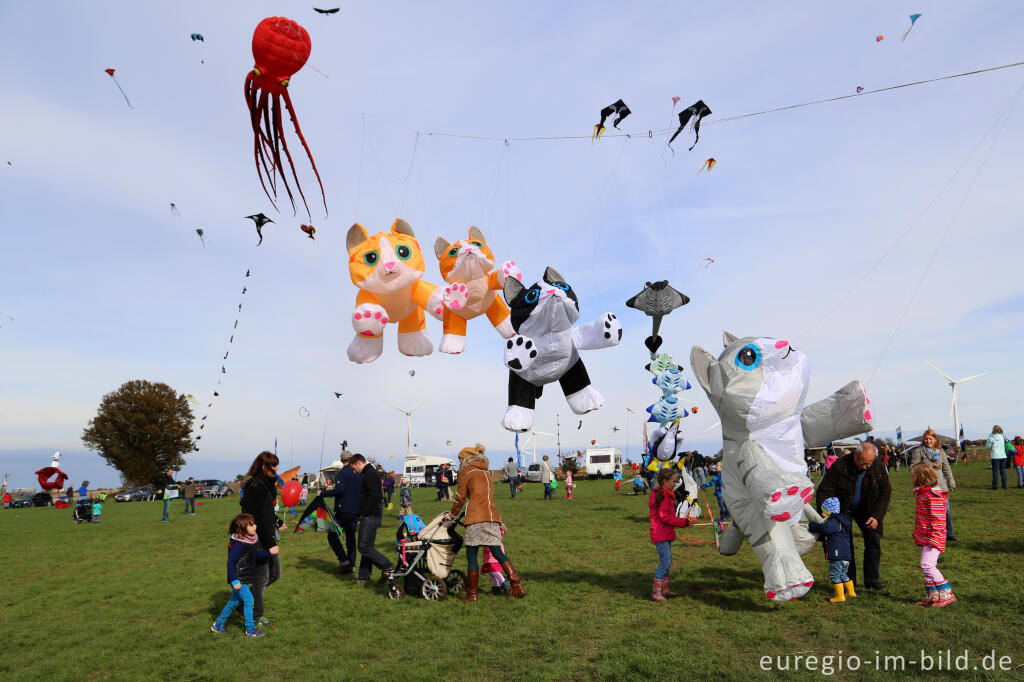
781, 344
390, 266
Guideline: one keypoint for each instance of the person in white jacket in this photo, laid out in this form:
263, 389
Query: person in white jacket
997, 452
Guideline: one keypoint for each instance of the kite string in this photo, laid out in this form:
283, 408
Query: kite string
652, 133
913, 224
942, 239
376, 158
606, 190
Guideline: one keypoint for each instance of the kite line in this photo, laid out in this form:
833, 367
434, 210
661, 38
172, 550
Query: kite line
653, 133
870, 271
1005, 116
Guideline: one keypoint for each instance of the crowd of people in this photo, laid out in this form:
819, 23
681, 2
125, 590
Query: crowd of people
854, 490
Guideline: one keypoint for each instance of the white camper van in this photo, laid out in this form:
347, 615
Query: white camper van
419, 469
601, 462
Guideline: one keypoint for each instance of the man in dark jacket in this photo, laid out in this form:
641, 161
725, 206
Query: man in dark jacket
861, 483
371, 503
161, 483
346, 493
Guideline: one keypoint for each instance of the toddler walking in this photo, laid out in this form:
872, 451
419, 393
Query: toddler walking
405, 497
836, 533
662, 505
568, 485
242, 541
499, 583
618, 477
930, 533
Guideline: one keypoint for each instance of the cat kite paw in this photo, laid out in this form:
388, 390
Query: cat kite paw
785, 505
509, 269
435, 304
452, 343
519, 419
519, 354
455, 296
369, 320
585, 400
416, 344
604, 332
365, 349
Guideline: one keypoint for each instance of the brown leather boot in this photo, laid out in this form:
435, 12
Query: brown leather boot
472, 582
517, 591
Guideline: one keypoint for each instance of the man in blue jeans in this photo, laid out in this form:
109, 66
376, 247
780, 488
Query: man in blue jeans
371, 505
511, 475
346, 494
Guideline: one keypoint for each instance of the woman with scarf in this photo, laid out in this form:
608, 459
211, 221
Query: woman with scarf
931, 453
259, 490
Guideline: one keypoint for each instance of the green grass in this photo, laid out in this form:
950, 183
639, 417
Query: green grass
133, 598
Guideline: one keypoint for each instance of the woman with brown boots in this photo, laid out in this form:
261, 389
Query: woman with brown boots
483, 524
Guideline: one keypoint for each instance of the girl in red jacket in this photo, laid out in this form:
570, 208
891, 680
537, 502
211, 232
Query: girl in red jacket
664, 522
930, 533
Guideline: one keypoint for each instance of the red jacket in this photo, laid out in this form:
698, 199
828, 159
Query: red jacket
663, 517
930, 518
1018, 459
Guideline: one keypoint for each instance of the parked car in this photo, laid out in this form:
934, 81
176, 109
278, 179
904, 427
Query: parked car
126, 494
533, 473
212, 487
139, 493
23, 502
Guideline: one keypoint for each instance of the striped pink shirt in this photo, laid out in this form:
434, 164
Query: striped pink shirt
930, 518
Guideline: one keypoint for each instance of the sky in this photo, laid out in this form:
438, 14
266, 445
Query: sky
876, 233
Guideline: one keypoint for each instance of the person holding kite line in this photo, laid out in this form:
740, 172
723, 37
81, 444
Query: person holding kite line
260, 492
483, 523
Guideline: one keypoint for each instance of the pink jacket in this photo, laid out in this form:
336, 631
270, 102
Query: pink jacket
663, 517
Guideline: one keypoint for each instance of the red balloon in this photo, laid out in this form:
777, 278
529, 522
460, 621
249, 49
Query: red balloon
290, 493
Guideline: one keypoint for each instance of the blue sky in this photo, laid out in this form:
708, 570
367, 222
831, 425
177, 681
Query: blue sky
105, 285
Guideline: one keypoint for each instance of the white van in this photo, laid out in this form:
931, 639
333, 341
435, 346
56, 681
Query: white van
601, 462
419, 469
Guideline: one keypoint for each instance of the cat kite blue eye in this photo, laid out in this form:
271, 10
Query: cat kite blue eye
403, 252
454, 252
749, 357
371, 257
532, 295
562, 285
477, 244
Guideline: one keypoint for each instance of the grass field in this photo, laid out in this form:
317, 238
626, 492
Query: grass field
132, 598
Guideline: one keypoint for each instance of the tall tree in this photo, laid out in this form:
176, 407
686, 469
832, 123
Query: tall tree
142, 429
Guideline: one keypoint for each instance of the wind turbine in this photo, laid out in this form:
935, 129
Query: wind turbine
533, 437
408, 422
955, 409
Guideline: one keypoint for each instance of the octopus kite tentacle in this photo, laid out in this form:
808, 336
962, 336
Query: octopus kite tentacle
302, 139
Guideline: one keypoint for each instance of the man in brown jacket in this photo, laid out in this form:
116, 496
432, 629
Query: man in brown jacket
188, 491
861, 483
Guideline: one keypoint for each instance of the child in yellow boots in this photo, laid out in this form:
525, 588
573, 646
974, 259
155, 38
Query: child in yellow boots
836, 533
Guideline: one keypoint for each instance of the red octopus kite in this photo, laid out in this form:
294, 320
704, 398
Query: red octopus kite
51, 478
280, 47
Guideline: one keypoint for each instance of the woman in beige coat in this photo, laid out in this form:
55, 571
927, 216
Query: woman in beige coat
483, 524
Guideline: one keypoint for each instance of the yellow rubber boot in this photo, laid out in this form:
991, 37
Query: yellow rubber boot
838, 587
849, 588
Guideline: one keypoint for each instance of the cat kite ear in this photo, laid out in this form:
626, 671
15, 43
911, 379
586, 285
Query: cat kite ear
728, 339
402, 227
356, 236
475, 233
700, 362
551, 276
440, 247
512, 288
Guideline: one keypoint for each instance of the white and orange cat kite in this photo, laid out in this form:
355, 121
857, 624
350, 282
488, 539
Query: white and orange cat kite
467, 267
387, 268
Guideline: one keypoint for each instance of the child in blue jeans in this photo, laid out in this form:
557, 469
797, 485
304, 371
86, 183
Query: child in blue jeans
836, 533
242, 541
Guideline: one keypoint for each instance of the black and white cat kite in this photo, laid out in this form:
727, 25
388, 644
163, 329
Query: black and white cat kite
546, 347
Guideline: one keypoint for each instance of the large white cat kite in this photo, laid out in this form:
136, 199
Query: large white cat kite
758, 386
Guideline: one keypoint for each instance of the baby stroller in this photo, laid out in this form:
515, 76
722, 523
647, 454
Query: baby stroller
83, 510
426, 555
